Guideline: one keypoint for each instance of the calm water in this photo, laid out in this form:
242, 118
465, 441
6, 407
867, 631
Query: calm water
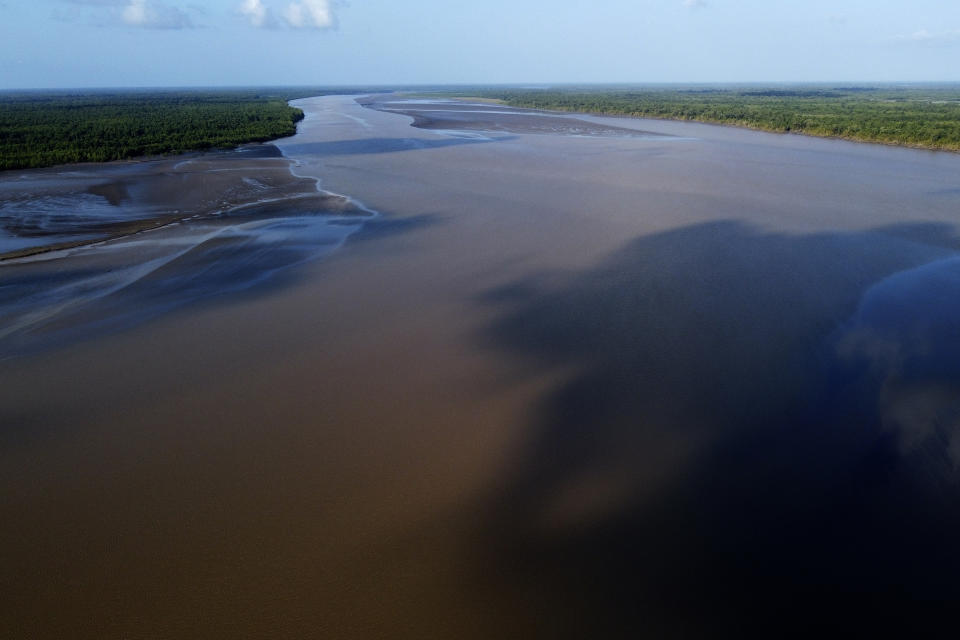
763, 434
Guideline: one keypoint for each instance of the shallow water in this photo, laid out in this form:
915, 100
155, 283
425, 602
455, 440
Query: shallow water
47, 207
49, 219
51, 299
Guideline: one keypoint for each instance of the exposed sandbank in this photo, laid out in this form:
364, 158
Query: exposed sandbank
118, 244
43, 205
493, 117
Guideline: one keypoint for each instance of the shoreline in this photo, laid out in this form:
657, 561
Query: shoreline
425, 123
136, 225
745, 126
560, 111
159, 208
219, 223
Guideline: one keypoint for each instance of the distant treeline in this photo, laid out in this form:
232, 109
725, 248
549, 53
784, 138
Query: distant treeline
39, 129
919, 116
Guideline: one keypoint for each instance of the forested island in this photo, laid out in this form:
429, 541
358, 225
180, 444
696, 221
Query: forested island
925, 116
40, 129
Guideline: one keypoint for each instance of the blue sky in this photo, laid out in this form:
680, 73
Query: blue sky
109, 43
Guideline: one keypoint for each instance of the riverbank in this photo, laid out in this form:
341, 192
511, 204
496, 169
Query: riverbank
66, 207
914, 116
99, 248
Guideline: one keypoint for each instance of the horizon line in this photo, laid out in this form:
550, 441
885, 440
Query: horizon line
524, 85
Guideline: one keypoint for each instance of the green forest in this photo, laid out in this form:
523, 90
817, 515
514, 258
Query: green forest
39, 129
908, 115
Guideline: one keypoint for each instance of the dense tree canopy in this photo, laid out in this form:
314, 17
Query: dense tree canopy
40, 129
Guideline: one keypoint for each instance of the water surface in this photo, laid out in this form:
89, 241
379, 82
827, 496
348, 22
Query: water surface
701, 383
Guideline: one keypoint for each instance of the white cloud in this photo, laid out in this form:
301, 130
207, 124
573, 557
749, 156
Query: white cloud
262, 14
154, 15
923, 36
298, 14
148, 14
259, 15
136, 12
695, 4
311, 14
141, 13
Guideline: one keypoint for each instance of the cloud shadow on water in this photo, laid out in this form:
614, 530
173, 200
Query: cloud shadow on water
760, 436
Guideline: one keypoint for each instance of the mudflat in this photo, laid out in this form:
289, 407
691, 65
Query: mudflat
702, 382
94, 248
63, 207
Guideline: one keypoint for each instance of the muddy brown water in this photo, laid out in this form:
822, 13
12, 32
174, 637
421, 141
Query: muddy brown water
697, 384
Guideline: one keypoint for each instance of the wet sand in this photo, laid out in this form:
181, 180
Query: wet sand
103, 247
564, 386
458, 117
74, 205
